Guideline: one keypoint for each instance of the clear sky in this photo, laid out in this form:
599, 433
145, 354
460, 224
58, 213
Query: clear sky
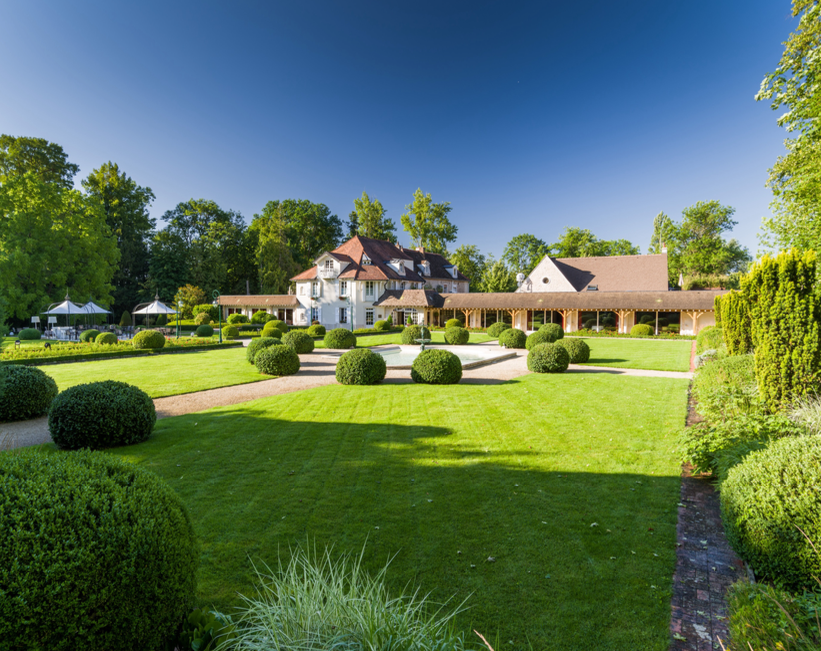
527, 117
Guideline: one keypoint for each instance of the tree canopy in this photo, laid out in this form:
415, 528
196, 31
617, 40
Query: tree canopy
427, 223
524, 252
46, 160
497, 277
577, 242
275, 262
371, 219
471, 263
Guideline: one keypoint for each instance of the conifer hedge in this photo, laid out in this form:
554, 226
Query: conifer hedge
734, 317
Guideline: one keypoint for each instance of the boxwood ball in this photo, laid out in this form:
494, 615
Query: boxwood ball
361, 366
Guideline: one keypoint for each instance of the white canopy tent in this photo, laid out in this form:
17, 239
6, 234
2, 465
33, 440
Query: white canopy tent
155, 308
66, 307
92, 308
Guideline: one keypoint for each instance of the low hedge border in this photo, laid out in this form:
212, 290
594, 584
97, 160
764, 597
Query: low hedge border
618, 335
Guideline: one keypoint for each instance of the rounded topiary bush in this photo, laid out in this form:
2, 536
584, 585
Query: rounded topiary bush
237, 319
454, 323
456, 335
29, 334
279, 325
203, 318
148, 339
361, 366
577, 348
382, 326
230, 332
340, 338
555, 328
436, 366
258, 344
764, 500
300, 341
497, 328
101, 415
317, 330
25, 392
548, 358
269, 330
642, 330
513, 338
260, 317
414, 332
88, 335
205, 330
540, 337
106, 338
277, 360
103, 554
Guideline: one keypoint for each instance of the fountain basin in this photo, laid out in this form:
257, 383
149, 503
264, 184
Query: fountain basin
402, 357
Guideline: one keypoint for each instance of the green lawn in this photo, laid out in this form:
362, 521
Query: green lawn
163, 375
396, 338
8, 342
638, 353
568, 482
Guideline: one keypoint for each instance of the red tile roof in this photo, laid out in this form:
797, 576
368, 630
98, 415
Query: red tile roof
618, 273
259, 300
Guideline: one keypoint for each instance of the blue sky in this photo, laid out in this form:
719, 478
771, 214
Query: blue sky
527, 117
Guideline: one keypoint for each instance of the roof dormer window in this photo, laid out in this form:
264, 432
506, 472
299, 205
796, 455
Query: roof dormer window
425, 265
366, 259
329, 265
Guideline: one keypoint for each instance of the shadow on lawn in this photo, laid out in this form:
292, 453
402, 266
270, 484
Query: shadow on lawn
562, 559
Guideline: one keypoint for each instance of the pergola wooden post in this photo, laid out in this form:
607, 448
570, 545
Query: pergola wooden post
622, 318
694, 315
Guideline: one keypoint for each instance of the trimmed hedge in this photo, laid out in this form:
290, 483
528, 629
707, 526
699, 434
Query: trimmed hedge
29, 334
270, 330
454, 323
540, 337
456, 335
209, 309
205, 330
414, 332
497, 328
548, 358
317, 330
279, 325
257, 345
765, 499
300, 341
554, 328
101, 415
237, 319
88, 335
103, 554
382, 326
230, 332
710, 338
340, 338
361, 367
203, 318
642, 330
277, 360
513, 338
436, 366
106, 338
148, 339
261, 316
25, 392
578, 350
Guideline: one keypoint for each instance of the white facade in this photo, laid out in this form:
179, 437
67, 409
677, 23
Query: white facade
546, 277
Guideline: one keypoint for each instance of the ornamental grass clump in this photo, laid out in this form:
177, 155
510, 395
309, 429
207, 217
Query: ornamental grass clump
25, 392
89, 335
106, 338
259, 344
277, 361
807, 412
340, 338
148, 339
456, 335
204, 330
548, 358
497, 328
361, 367
414, 332
317, 330
102, 556
577, 348
513, 338
29, 334
436, 366
317, 602
300, 341
771, 512
101, 415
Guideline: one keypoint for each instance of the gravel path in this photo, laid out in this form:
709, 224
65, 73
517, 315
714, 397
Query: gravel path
316, 370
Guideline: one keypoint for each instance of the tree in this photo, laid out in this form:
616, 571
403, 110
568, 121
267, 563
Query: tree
733, 313
701, 250
275, 263
54, 241
46, 160
125, 205
167, 266
497, 277
577, 242
794, 179
471, 263
428, 223
371, 220
189, 296
524, 252
352, 224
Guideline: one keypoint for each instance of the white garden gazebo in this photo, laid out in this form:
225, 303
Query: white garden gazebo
65, 308
92, 309
154, 308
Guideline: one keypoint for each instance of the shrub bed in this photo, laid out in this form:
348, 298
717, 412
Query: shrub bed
436, 366
726, 388
548, 358
578, 350
642, 330
766, 499
261, 316
103, 554
277, 360
29, 334
257, 345
361, 366
230, 332
340, 338
317, 330
587, 333
711, 337
148, 339
205, 330
456, 335
555, 328
106, 338
513, 338
203, 318
237, 319
279, 325
497, 328
382, 326
414, 332
88, 335
25, 392
300, 341
270, 330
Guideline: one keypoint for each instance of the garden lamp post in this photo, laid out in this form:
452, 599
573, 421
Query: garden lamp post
179, 311
216, 296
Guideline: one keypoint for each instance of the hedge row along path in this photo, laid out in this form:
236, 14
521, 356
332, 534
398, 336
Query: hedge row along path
317, 370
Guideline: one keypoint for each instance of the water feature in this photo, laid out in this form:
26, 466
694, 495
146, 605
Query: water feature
398, 357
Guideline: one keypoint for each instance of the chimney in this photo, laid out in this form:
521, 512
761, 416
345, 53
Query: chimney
421, 249
664, 247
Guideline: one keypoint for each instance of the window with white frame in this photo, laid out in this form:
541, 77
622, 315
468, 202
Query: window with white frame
402, 285
314, 289
343, 315
366, 260
370, 289
343, 288
302, 290
329, 266
369, 317
314, 314
455, 288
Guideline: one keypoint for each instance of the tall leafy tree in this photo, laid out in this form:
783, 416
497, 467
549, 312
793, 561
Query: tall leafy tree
497, 277
795, 179
471, 263
352, 225
701, 249
168, 266
524, 252
46, 160
125, 205
427, 223
372, 221
275, 263
577, 242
